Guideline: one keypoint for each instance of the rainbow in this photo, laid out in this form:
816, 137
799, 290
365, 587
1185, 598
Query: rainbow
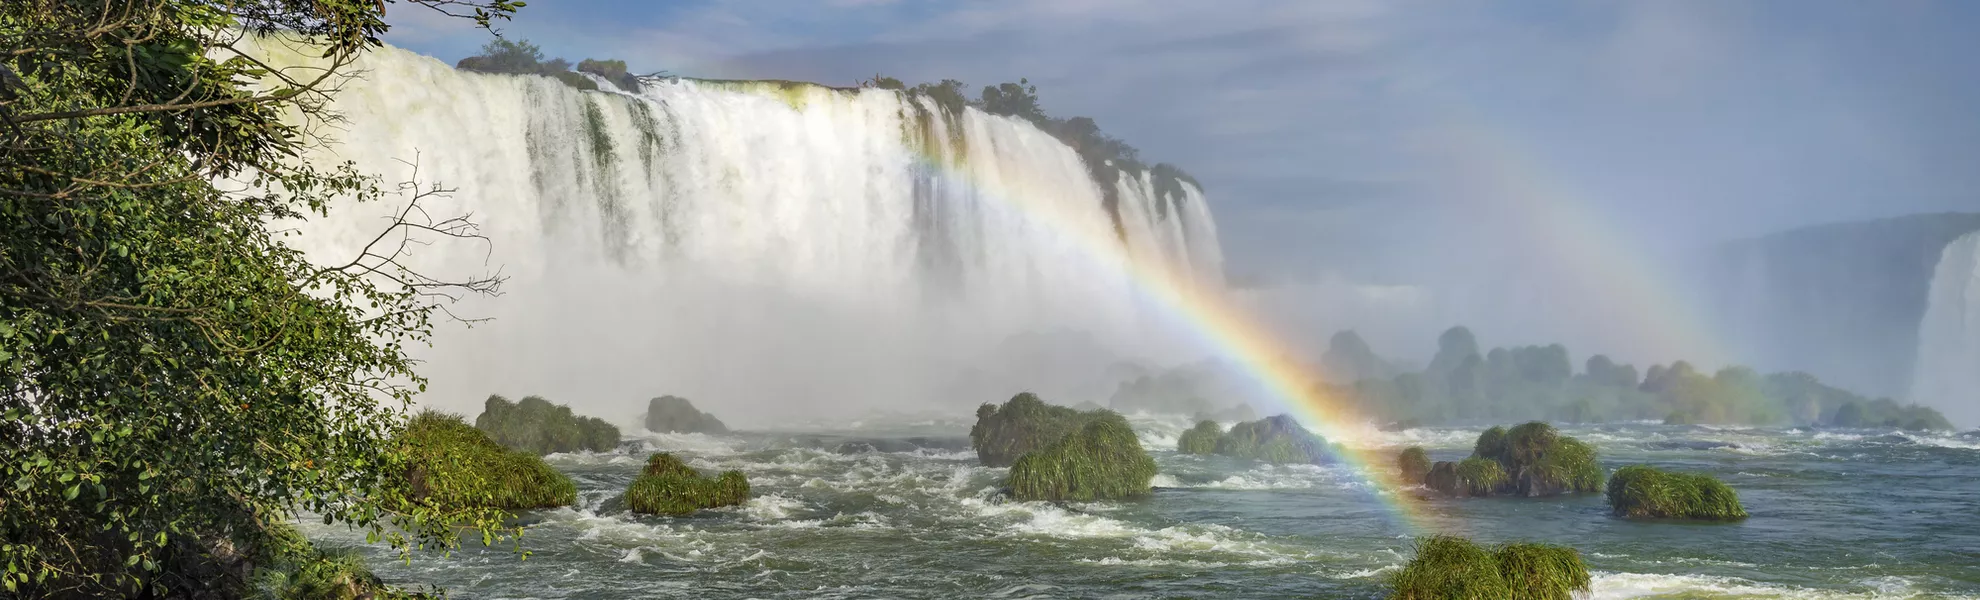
1215, 320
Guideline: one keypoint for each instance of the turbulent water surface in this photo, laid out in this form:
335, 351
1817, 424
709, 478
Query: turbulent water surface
906, 512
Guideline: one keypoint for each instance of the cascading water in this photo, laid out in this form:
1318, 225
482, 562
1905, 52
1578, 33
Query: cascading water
770, 249
1948, 374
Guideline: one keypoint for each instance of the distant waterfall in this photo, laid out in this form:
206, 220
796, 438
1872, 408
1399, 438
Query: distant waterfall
1948, 376
767, 249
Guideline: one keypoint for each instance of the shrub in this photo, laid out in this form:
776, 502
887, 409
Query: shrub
1479, 477
536, 426
669, 487
1414, 464
1451, 567
1641, 491
1201, 439
1102, 460
1278, 440
457, 466
675, 414
1023, 424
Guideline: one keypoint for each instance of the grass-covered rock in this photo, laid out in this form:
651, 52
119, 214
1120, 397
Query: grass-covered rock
1201, 439
670, 414
1450, 567
1101, 460
1479, 477
669, 487
1644, 492
536, 426
1022, 425
1277, 440
1414, 463
454, 465
1538, 461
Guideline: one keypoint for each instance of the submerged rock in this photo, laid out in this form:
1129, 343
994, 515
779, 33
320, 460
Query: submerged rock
454, 466
1102, 460
672, 414
536, 426
669, 487
1645, 492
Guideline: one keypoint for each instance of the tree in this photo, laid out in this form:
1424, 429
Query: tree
1014, 100
1454, 346
174, 379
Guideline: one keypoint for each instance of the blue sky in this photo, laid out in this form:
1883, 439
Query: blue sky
1319, 126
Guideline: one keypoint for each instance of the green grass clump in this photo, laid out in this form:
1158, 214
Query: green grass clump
1542, 571
1451, 567
675, 414
1022, 425
669, 487
1479, 477
1277, 440
1645, 492
1539, 461
1414, 464
1102, 460
1201, 439
536, 426
455, 465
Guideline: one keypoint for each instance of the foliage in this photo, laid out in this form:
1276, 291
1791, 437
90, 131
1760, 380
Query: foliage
1451, 567
1641, 491
519, 57
1101, 460
1538, 461
674, 413
1277, 440
456, 466
308, 572
538, 427
669, 487
172, 375
1414, 464
1201, 439
1022, 425
1480, 477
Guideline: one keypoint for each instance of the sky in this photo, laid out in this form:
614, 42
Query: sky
1319, 128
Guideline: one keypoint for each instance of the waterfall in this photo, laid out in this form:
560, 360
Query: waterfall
1948, 373
772, 250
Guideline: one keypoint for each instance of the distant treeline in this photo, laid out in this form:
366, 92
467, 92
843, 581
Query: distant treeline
523, 58
1540, 382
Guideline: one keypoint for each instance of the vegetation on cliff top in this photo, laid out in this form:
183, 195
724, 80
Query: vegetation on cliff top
536, 426
668, 486
1447, 567
519, 57
1101, 460
1645, 492
456, 466
675, 414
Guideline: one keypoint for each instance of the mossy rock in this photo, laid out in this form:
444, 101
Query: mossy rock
454, 465
1443, 478
536, 426
1022, 425
1645, 492
1201, 439
1538, 461
672, 414
1277, 440
1414, 463
669, 487
1103, 460
1447, 567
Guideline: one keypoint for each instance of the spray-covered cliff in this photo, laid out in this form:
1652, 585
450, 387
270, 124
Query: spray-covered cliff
765, 245
1845, 302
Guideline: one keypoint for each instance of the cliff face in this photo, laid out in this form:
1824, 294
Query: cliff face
1842, 301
